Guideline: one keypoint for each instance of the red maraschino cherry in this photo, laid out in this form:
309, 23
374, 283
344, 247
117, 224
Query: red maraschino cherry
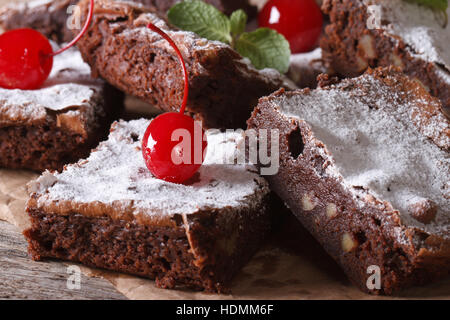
300, 21
174, 144
26, 56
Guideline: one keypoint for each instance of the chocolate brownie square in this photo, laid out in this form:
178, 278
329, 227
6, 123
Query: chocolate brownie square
365, 166
108, 211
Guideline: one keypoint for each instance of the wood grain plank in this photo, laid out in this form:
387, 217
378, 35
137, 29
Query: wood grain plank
22, 278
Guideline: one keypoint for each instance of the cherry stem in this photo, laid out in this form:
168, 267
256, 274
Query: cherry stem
81, 34
183, 64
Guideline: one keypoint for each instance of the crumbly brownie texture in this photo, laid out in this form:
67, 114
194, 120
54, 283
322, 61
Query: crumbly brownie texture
365, 166
50, 16
59, 123
109, 212
224, 87
411, 37
305, 68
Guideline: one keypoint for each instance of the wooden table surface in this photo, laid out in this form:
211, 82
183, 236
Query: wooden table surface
22, 278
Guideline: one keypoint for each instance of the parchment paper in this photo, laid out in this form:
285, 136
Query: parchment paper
291, 265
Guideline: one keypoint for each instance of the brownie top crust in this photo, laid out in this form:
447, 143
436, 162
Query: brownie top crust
420, 28
381, 136
115, 181
69, 92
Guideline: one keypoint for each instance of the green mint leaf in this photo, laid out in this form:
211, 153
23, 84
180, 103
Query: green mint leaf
434, 4
238, 22
265, 48
201, 18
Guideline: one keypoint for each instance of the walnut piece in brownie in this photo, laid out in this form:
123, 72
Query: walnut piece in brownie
50, 16
109, 212
224, 87
365, 166
409, 36
59, 123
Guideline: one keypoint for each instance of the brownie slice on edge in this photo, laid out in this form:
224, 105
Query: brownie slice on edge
224, 87
365, 166
59, 123
381, 33
109, 212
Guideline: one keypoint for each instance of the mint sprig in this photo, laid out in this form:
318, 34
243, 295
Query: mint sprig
265, 47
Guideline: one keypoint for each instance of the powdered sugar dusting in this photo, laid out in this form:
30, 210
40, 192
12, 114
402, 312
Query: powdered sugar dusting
369, 132
116, 172
420, 27
69, 85
305, 59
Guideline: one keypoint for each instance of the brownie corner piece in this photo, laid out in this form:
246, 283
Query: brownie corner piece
58, 123
109, 212
224, 87
365, 166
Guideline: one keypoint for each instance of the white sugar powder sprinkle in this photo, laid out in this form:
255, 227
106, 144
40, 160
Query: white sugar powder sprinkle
117, 172
378, 148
